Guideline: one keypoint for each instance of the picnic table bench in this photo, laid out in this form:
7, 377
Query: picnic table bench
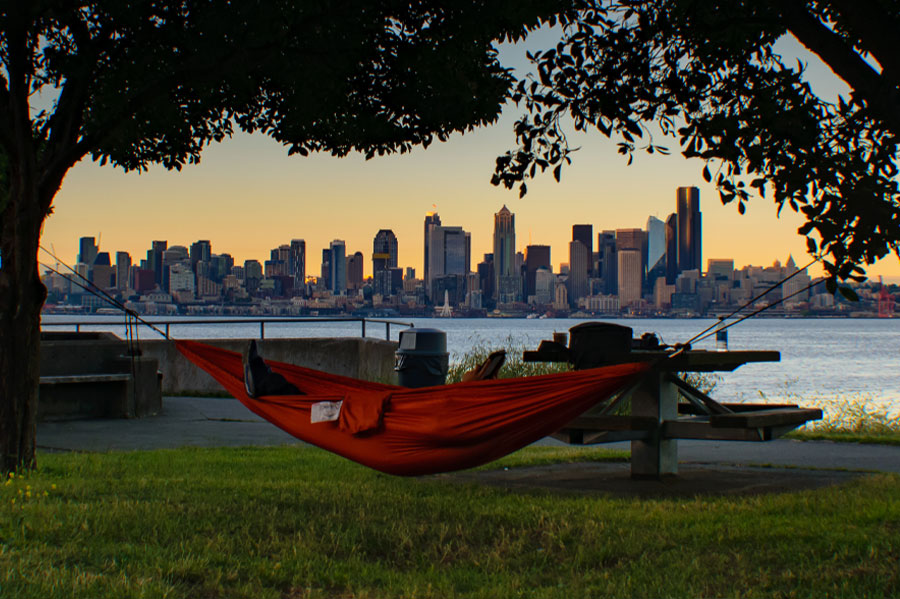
663, 408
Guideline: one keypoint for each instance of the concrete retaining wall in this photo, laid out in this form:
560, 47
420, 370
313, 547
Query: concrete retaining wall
357, 357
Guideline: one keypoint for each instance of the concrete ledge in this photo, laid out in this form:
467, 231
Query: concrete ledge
356, 357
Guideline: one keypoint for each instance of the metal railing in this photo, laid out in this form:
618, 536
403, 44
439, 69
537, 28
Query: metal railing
219, 321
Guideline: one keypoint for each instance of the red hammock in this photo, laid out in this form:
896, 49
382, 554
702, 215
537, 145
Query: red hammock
410, 432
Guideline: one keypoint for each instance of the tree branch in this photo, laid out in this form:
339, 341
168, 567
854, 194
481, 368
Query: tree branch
844, 61
877, 29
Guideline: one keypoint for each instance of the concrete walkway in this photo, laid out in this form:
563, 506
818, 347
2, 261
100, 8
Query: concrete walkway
214, 422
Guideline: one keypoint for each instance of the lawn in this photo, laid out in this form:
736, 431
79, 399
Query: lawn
299, 522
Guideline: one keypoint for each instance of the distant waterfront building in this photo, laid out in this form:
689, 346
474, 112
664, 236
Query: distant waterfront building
671, 249
298, 263
123, 271
201, 251
630, 276
355, 270
87, 251
690, 253
579, 258
536, 257
585, 234
607, 263
632, 239
544, 286
384, 261
338, 271
505, 255
155, 260
432, 219
449, 253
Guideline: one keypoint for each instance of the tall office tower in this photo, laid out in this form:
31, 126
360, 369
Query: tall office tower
632, 239
253, 274
504, 250
177, 254
87, 251
536, 256
689, 229
585, 234
155, 260
449, 253
338, 267
123, 270
486, 277
607, 263
579, 258
201, 251
326, 269
298, 263
355, 270
279, 262
671, 249
384, 251
631, 267
656, 250
431, 220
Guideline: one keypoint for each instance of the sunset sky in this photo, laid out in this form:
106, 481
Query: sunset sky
247, 197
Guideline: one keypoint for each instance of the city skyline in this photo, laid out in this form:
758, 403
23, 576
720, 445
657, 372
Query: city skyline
249, 196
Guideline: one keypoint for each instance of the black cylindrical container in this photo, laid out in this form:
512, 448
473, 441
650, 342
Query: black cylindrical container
594, 344
422, 359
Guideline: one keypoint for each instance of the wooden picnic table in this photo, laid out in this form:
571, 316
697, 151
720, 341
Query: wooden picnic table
664, 408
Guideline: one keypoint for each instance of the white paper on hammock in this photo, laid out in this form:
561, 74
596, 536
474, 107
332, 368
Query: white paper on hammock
325, 411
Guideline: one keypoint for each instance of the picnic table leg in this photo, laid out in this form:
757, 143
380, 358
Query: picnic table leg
655, 457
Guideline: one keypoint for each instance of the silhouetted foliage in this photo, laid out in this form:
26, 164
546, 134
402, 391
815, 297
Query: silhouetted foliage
707, 74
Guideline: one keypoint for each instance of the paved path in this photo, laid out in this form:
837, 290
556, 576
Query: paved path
202, 422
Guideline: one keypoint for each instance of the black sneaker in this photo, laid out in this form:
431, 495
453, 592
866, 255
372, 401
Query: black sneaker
250, 356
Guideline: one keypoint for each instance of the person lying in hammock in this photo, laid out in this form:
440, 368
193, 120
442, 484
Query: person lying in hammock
260, 380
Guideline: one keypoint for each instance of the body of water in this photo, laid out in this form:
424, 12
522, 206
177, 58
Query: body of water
822, 360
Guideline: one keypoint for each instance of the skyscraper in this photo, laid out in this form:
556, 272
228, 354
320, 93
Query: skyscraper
449, 253
504, 252
338, 267
384, 251
87, 251
585, 234
689, 229
630, 272
671, 249
536, 256
201, 251
298, 263
607, 263
355, 270
432, 219
123, 270
578, 271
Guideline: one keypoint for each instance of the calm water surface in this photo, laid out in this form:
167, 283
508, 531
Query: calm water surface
822, 360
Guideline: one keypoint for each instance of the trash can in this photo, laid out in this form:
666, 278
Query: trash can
594, 344
422, 358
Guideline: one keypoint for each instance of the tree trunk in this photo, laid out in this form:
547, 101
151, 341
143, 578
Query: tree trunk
21, 296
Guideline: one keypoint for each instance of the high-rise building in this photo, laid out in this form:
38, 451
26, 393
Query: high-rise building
432, 219
689, 229
579, 258
384, 251
201, 251
630, 269
486, 278
326, 269
504, 251
607, 263
585, 234
298, 263
656, 251
87, 251
123, 270
449, 253
671, 249
338, 267
536, 256
632, 239
355, 270
155, 260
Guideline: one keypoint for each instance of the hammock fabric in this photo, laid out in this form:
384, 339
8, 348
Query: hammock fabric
410, 432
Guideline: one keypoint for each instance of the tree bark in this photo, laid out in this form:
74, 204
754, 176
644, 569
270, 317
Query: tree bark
21, 297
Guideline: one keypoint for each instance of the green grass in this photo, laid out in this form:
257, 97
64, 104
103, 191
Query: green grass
297, 522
